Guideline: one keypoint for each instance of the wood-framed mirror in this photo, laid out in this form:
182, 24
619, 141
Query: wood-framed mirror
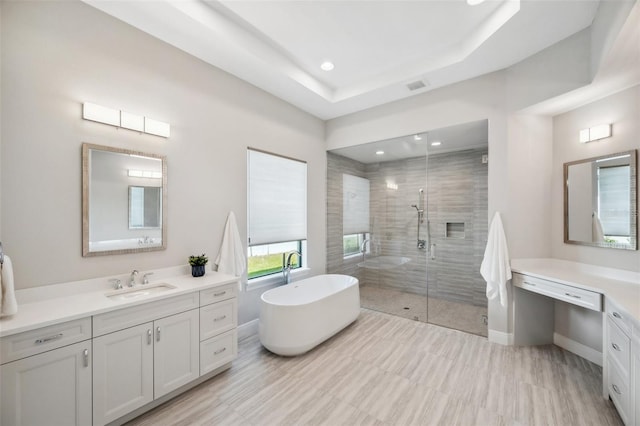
124, 201
600, 201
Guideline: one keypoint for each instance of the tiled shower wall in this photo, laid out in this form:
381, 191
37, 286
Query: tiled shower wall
457, 194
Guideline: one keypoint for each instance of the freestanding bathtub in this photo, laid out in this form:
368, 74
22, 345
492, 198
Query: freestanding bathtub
296, 317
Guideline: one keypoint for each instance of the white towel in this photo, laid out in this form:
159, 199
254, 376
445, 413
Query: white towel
8, 303
231, 257
597, 234
495, 268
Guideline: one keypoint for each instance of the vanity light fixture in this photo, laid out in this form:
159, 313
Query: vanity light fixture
126, 120
595, 133
327, 66
436, 143
391, 185
379, 152
101, 114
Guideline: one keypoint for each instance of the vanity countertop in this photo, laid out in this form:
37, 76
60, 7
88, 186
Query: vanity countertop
38, 308
623, 287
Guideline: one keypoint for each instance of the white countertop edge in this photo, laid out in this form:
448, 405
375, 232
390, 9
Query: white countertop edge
623, 287
37, 311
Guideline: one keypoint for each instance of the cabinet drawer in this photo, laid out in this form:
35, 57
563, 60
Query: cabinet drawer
577, 296
129, 317
218, 294
218, 351
44, 339
618, 345
218, 318
619, 317
618, 387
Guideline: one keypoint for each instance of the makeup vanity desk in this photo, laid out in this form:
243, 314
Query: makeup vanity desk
538, 283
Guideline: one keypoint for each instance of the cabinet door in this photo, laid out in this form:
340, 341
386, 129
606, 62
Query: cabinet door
176, 351
122, 372
636, 384
52, 388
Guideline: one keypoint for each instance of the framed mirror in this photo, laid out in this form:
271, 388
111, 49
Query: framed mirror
600, 201
124, 201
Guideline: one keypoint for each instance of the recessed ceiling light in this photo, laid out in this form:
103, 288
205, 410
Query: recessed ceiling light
436, 143
474, 2
417, 138
379, 152
327, 66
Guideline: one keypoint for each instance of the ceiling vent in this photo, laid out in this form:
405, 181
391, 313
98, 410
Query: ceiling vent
416, 85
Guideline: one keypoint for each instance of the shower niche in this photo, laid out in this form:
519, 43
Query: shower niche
426, 225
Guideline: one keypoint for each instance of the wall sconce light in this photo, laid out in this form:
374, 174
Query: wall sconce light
126, 120
595, 133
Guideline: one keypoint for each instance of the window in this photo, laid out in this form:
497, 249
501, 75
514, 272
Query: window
351, 244
614, 205
355, 213
277, 212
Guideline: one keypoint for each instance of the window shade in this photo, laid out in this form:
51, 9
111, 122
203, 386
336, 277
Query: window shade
355, 204
614, 200
277, 199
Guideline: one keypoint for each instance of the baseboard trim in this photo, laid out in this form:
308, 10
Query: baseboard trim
248, 329
577, 348
501, 338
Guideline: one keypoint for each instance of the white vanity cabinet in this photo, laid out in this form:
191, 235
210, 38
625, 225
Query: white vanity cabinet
136, 365
218, 327
106, 361
622, 363
46, 377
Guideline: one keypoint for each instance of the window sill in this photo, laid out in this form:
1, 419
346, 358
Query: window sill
275, 279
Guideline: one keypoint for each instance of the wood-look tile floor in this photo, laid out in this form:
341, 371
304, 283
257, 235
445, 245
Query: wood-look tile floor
387, 370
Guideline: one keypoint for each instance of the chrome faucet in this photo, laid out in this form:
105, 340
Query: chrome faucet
286, 269
145, 278
132, 278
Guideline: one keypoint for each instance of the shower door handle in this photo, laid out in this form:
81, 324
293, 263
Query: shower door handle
432, 251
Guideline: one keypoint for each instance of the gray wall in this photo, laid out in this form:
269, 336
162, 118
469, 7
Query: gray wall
56, 55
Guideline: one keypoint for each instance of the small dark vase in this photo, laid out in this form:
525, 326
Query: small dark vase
197, 270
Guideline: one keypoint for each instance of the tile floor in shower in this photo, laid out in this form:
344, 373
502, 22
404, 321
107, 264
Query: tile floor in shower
413, 306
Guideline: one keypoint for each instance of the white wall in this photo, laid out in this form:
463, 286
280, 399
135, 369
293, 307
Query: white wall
55, 55
623, 110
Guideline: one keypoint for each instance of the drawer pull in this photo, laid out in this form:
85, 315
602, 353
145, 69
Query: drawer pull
222, 293
617, 315
528, 283
573, 295
615, 346
219, 351
49, 338
616, 389
85, 356
220, 318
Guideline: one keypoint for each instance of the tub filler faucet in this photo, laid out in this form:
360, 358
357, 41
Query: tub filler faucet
286, 268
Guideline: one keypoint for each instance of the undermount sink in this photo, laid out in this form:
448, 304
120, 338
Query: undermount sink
139, 291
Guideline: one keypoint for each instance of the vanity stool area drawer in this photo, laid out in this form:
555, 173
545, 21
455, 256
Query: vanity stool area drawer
218, 294
618, 346
577, 296
44, 339
218, 318
218, 351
